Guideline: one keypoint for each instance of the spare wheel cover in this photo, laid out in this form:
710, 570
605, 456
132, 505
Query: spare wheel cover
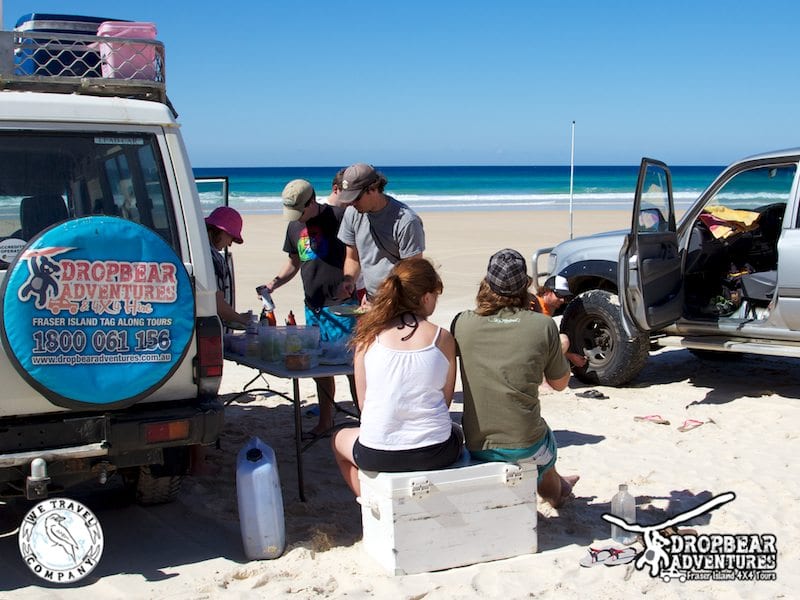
97, 312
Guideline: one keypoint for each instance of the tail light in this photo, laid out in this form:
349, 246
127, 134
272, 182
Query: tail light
209, 355
167, 431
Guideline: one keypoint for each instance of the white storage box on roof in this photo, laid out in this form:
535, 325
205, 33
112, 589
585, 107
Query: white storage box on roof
431, 520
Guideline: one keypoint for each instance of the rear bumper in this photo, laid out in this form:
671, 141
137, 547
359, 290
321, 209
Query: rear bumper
116, 437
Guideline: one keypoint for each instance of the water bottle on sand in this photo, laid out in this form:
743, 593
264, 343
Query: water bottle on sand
623, 506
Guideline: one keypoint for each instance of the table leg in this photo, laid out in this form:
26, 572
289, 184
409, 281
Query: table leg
298, 439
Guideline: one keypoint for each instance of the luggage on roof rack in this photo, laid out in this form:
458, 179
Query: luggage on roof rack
72, 57
42, 55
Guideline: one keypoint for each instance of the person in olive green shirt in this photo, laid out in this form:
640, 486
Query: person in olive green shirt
506, 352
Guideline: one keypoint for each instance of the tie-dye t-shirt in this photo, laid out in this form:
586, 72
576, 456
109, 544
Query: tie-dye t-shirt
321, 254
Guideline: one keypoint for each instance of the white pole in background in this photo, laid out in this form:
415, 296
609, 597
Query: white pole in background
571, 176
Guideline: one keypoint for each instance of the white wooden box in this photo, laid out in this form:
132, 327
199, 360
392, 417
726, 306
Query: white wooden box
431, 520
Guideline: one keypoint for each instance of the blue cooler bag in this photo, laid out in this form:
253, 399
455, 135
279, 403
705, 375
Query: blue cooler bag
65, 57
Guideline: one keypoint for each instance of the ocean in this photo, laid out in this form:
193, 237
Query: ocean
258, 190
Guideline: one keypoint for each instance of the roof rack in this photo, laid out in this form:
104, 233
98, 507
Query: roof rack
83, 64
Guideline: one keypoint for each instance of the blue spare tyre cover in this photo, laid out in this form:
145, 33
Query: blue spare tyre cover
97, 312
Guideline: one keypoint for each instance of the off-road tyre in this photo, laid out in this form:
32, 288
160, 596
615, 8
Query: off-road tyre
161, 483
593, 323
152, 489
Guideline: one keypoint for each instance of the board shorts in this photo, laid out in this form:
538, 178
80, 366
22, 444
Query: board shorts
427, 458
543, 453
331, 327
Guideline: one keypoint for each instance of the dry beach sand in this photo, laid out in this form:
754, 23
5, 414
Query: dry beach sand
748, 445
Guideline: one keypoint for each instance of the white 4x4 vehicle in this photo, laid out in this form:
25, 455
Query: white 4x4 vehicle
726, 278
111, 355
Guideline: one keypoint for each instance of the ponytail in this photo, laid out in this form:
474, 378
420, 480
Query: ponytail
401, 292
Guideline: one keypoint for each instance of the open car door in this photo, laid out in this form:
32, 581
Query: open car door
213, 192
650, 277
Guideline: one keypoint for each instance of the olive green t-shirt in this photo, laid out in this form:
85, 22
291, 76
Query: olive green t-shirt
504, 359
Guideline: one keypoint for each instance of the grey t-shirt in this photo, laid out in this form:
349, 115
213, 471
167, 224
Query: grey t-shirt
382, 239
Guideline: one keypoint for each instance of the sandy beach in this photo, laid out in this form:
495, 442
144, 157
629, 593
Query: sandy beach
746, 445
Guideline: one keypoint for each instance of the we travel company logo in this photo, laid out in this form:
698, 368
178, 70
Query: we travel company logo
686, 556
61, 540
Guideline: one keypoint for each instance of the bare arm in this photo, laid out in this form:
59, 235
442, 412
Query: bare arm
447, 345
285, 275
360, 377
226, 311
352, 267
560, 383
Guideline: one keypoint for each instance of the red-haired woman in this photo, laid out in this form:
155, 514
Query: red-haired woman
405, 370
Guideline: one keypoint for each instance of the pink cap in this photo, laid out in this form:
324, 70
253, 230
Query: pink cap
228, 220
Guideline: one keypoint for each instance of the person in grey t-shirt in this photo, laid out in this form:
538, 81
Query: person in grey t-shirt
378, 230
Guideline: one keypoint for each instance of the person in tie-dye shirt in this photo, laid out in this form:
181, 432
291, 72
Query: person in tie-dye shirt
318, 255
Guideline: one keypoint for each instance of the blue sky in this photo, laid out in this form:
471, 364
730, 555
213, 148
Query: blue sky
327, 82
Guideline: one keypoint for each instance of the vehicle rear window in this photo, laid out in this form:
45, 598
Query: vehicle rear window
47, 178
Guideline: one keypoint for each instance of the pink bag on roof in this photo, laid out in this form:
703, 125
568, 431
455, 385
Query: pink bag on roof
126, 60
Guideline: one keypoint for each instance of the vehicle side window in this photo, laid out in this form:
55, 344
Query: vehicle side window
756, 188
655, 203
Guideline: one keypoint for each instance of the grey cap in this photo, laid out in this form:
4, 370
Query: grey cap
297, 194
507, 273
356, 178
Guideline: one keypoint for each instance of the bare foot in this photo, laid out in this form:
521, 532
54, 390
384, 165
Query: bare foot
567, 483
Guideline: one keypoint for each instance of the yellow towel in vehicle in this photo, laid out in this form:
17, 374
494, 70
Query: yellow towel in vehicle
724, 221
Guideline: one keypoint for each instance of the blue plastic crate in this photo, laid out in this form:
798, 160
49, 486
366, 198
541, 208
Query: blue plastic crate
43, 56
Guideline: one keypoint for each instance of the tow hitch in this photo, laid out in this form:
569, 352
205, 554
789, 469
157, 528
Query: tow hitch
36, 483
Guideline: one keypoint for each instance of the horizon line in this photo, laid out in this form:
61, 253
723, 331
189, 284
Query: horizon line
404, 166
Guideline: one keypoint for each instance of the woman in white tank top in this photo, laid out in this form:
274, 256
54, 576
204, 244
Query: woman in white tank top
405, 370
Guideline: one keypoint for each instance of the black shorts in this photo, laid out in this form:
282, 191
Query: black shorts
437, 456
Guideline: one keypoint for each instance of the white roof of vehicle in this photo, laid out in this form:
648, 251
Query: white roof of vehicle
49, 107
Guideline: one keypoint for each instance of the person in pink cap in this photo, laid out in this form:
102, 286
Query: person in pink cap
224, 227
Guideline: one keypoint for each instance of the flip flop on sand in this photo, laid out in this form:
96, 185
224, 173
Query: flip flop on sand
690, 424
657, 419
608, 556
595, 394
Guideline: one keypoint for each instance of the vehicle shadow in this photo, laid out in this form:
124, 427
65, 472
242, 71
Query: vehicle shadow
726, 377
148, 541
202, 524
